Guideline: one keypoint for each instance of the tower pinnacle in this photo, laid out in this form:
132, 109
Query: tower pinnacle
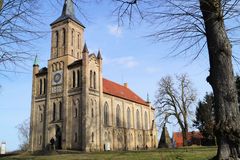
68, 8
68, 13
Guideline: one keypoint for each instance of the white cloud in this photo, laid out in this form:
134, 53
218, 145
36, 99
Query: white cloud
115, 30
126, 62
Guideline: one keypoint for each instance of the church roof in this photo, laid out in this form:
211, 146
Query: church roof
68, 13
120, 91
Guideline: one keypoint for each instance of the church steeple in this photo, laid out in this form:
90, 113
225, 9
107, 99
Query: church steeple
68, 13
68, 8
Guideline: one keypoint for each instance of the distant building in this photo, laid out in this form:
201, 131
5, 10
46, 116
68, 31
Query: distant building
3, 148
76, 107
193, 138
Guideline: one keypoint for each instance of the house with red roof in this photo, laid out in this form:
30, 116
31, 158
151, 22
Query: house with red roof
193, 138
75, 107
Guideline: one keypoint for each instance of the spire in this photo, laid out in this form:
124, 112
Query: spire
68, 9
85, 49
68, 13
148, 101
99, 55
35, 63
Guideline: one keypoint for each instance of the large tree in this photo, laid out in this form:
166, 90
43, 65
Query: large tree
202, 23
19, 20
174, 101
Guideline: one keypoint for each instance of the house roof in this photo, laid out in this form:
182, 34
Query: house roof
120, 91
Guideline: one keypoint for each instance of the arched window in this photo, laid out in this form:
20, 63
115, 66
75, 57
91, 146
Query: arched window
138, 119
44, 86
73, 79
94, 80
40, 139
118, 114
91, 79
78, 78
72, 52
57, 38
106, 114
78, 41
75, 137
40, 87
60, 110
64, 37
75, 112
92, 113
128, 118
72, 37
92, 137
146, 120
54, 112
41, 117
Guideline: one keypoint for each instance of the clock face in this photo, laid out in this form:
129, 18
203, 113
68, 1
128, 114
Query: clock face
57, 77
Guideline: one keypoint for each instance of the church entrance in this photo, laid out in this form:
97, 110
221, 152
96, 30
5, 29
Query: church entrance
58, 143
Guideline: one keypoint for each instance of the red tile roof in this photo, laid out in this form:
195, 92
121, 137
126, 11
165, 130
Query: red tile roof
177, 137
120, 91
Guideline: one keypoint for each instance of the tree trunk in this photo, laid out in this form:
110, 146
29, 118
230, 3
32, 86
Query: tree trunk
184, 136
221, 79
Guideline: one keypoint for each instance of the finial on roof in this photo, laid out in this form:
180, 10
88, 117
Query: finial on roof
148, 101
85, 49
68, 8
35, 63
99, 55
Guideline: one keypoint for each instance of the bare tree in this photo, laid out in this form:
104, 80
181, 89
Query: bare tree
174, 102
18, 28
23, 134
199, 24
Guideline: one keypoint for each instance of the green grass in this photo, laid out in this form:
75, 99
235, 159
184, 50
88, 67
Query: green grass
190, 153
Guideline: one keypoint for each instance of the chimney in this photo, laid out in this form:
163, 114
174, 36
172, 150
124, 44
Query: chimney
126, 85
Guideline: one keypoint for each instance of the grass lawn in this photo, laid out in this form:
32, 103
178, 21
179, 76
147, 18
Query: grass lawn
190, 153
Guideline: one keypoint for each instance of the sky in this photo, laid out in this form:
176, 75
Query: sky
127, 57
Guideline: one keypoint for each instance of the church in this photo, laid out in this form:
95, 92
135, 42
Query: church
74, 105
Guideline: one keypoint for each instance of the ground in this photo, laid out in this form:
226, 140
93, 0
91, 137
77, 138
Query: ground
190, 153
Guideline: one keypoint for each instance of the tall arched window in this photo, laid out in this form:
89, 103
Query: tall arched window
44, 86
72, 37
64, 37
54, 112
57, 38
128, 118
94, 80
78, 78
138, 119
73, 79
106, 114
40, 86
146, 120
75, 137
75, 112
91, 79
118, 115
78, 41
92, 113
92, 137
60, 110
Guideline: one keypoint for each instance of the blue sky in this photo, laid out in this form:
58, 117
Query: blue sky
127, 57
